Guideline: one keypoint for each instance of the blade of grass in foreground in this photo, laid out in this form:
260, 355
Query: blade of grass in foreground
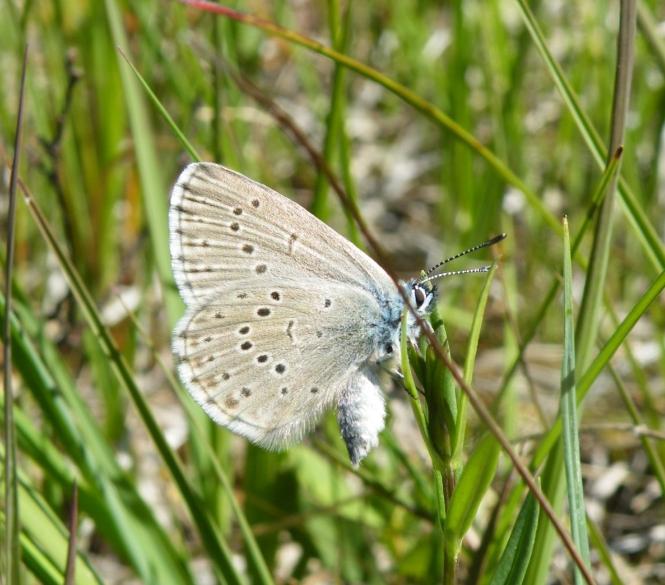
571, 446
469, 361
217, 549
152, 187
474, 481
12, 557
601, 360
605, 180
118, 510
516, 556
162, 110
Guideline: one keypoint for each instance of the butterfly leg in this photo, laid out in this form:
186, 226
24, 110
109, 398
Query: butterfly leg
361, 414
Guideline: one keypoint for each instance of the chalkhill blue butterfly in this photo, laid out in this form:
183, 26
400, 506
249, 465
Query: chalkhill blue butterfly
285, 318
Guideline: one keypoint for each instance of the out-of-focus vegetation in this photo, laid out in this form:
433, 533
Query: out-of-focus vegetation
475, 118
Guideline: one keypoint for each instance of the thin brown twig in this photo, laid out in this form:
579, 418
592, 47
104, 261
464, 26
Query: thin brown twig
53, 149
70, 569
53, 146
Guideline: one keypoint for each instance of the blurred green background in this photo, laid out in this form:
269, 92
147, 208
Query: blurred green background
100, 159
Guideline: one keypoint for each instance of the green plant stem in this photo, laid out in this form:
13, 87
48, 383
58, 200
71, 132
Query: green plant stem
11, 545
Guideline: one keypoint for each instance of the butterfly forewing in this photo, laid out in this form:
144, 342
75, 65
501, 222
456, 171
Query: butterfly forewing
225, 227
266, 357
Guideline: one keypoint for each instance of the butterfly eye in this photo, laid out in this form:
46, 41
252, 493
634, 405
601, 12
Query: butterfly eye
419, 296
389, 348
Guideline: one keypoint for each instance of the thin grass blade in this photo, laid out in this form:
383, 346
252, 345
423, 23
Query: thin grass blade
218, 550
514, 561
10, 548
571, 446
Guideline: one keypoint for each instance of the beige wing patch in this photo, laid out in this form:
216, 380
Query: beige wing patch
266, 360
225, 227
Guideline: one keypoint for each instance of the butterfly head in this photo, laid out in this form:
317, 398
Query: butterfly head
421, 292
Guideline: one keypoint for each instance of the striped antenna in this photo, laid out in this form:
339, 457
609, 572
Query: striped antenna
489, 242
456, 273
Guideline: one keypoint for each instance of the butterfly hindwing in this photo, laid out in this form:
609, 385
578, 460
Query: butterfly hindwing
225, 227
265, 357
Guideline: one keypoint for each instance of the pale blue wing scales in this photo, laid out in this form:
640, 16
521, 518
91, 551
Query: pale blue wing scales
265, 359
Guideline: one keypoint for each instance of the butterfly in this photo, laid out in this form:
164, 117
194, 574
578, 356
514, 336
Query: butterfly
284, 317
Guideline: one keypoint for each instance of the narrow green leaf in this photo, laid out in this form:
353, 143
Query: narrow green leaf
469, 362
571, 446
11, 557
515, 559
163, 111
601, 360
154, 191
601, 189
217, 548
638, 217
470, 490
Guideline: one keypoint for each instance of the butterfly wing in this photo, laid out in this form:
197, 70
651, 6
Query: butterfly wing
266, 357
226, 228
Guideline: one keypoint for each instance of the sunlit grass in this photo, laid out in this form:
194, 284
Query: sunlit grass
445, 125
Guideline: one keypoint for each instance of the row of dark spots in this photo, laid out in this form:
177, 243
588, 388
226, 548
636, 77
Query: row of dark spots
284, 391
238, 211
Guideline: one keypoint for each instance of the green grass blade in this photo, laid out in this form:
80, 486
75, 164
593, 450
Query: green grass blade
320, 205
216, 547
162, 110
605, 180
644, 230
601, 360
11, 559
474, 481
469, 362
410, 385
514, 561
410, 97
154, 192
571, 446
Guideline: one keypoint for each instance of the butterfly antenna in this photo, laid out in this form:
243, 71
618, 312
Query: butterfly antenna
486, 244
456, 273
